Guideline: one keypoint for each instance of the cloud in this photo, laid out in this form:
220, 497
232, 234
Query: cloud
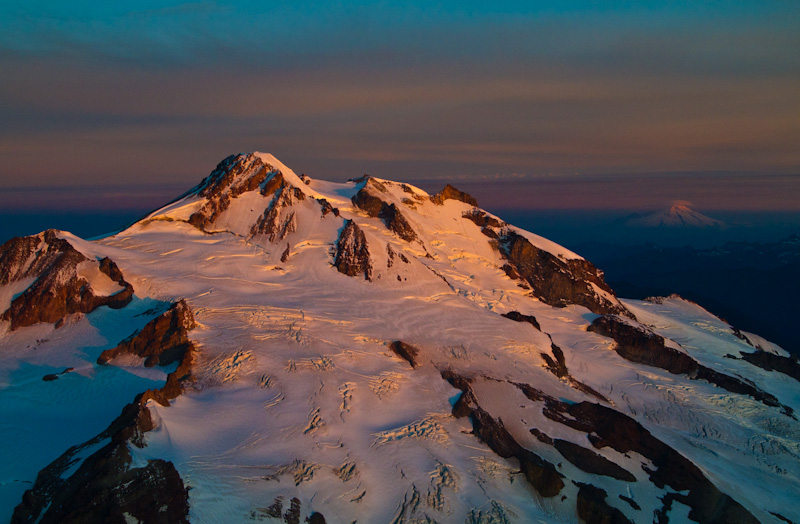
116, 94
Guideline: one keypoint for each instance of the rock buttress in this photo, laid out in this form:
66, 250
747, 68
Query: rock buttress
161, 341
640, 345
555, 281
352, 252
374, 206
105, 487
58, 291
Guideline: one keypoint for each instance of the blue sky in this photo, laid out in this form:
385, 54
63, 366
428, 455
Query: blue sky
105, 94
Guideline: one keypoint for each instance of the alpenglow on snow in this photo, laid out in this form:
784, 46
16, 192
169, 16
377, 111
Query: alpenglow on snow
271, 347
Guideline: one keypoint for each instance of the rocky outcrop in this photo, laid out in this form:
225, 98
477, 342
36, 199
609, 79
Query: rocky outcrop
58, 290
352, 252
489, 225
590, 462
233, 176
593, 508
638, 344
290, 516
55, 376
516, 316
327, 208
556, 364
161, 341
367, 200
274, 223
451, 193
106, 487
772, 362
541, 474
405, 351
607, 427
604, 427
555, 281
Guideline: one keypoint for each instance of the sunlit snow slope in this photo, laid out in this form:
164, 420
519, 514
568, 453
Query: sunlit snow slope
369, 352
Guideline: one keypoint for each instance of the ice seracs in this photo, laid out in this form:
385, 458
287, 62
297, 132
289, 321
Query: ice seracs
365, 351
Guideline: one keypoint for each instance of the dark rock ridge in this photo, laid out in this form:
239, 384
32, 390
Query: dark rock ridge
555, 364
604, 427
290, 516
55, 376
555, 281
593, 508
488, 224
590, 462
772, 362
161, 341
233, 176
352, 252
638, 344
274, 224
58, 290
451, 193
367, 200
519, 317
541, 474
607, 427
405, 351
105, 487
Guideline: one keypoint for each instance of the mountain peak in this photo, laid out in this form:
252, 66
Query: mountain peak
367, 351
679, 215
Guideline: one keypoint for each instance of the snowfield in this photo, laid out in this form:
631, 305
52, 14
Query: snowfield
297, 393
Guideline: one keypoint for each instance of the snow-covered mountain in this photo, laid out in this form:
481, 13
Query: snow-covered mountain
270, 347
679, 215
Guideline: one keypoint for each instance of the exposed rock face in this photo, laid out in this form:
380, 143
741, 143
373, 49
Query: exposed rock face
233, 176
481, 219
58, 290
352, 253
519, 317
771, 362
608, 427
275, 224
17, 260
555, 281
638, 344
105, 487
591, 462
593, 508
604, 427
328, 208
555, 364
406, 352
449, 192
541, 474
367, 200
161, 341
488, 224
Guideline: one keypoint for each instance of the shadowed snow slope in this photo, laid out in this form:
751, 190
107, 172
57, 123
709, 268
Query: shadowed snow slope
368, 352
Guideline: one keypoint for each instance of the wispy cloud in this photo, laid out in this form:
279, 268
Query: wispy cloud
113, 93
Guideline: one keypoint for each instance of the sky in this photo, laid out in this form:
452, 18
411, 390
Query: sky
123, 105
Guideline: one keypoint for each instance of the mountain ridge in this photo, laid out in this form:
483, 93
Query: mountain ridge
399, 356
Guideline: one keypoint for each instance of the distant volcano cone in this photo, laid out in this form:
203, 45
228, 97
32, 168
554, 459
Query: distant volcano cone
679, 215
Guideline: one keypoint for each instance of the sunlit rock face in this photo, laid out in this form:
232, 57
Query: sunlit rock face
300, 350
61, 280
